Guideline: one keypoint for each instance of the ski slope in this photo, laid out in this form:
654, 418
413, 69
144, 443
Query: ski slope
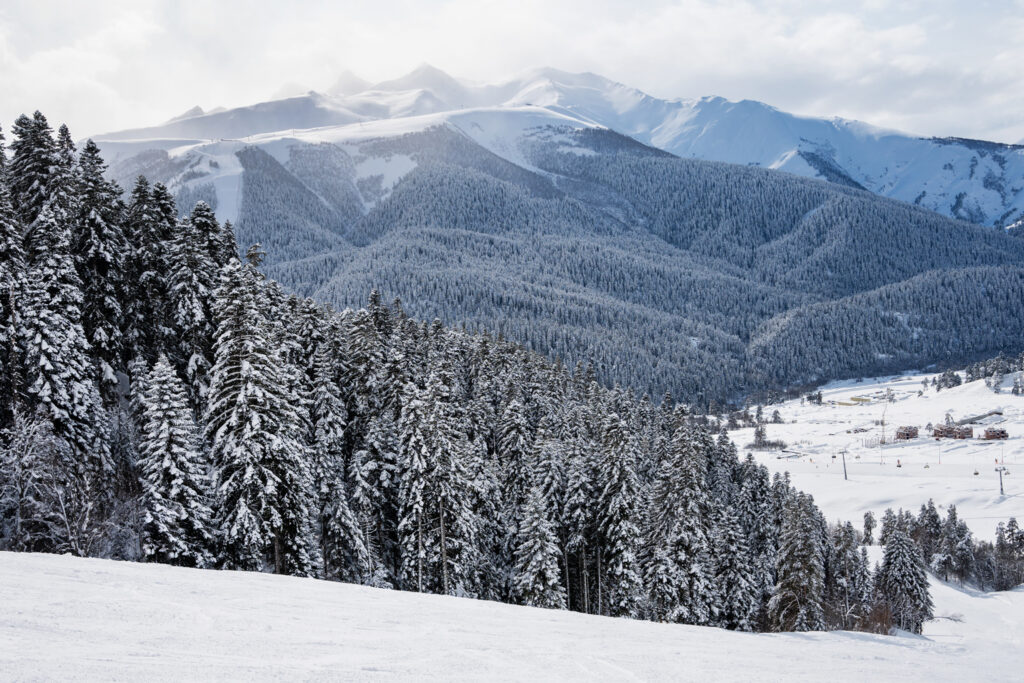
84, 619
901, 474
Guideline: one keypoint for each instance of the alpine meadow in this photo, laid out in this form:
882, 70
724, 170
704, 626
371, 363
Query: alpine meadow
542, 378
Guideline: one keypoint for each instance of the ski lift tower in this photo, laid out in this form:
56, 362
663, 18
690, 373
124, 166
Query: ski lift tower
881, 439
1001, 470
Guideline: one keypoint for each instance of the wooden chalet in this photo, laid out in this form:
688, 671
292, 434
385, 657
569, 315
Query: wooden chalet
906, 433
994, 433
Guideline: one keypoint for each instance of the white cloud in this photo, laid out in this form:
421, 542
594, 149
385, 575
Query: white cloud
935, 68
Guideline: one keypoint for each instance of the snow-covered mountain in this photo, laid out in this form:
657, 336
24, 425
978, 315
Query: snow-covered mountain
978, 181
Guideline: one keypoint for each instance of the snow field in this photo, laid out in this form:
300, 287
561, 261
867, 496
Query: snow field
900, 473
86, 619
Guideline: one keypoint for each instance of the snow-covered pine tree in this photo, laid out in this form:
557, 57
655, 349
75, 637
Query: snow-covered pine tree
342, 539
869, 527
903, 582
537, 579
889, 523
579, 515
755, 511
163, 202
738, 596
797, 604
515, 445
12, 276
57, 375
177, 526
549, 475
928, 531
619, 584
218, 242
416, 465
452, 489
374, 485
848, 592
32, 162
192, 282
99, 248
227, 243
690, 539
146, 324
264, 486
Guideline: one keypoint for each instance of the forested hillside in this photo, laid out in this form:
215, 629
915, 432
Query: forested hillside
707, 280
163, 401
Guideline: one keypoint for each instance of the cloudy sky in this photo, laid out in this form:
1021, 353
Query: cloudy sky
936, 67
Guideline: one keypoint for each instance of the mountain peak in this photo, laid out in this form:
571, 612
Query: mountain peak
194, 111
348, 83
427, 77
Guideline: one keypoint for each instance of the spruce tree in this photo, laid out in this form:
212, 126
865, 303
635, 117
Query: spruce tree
514, 451
99, 249
217, 240
797, 603
579, 517
175, 486
903, 582
618, 565
738, 594
58, 378
869, 527
537, 578
32, 162
192, 283
342, 540
416, 467
12, 277
264, 485
147, 329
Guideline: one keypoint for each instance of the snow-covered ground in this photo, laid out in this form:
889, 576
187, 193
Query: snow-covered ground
65, 617
901, 473
70, 618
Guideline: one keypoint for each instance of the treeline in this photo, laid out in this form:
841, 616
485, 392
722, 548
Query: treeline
950, 550
163, 401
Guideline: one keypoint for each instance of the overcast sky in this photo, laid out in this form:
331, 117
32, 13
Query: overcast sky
935, 67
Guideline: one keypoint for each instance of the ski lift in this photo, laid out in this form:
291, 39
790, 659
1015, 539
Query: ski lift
898, 463
927, 466
975, 471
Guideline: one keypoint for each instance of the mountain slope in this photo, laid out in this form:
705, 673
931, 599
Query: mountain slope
695, 277
69, 617
978, 181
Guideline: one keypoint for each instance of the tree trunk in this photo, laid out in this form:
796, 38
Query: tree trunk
444, 553
419, 553
584, 581
568, 580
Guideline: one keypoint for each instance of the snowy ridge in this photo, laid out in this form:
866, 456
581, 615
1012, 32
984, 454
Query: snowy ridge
982, 182
499, 130
92, 619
